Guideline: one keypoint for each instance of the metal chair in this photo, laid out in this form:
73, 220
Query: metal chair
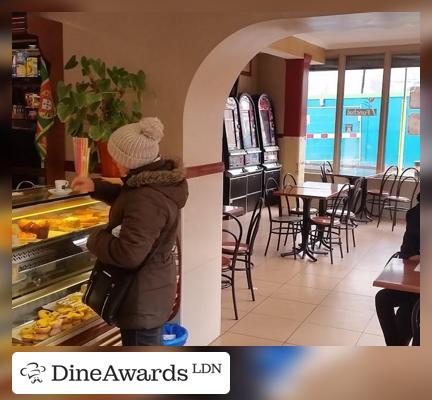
392, 201
285, 224
329, 226
245, 251
347, 215
390, 175
289, 180
229, 263
395, 255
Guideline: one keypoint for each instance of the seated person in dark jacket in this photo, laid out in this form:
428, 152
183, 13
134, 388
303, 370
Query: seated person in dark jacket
397, 326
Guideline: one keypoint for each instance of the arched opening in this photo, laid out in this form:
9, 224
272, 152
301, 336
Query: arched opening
202, 144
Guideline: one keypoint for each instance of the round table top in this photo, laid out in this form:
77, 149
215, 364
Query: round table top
234, 210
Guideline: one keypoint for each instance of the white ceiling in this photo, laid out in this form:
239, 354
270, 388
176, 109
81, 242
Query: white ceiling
366, 30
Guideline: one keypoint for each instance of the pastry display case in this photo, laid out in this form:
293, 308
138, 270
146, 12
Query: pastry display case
50, 268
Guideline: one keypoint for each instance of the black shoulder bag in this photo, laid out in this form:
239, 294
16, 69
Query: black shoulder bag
107, 288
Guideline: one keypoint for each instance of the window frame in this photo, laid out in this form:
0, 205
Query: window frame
341, 55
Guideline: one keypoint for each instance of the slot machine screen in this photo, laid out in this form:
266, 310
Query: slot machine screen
230, 129
265, 127
246, 129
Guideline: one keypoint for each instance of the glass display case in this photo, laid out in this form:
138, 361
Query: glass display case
50, 267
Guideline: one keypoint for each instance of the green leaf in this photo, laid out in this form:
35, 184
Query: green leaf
79, 98
95, 132
103, 85
63, 90
72, 63
91, 98
65, 109
85, 64
75, 126
81, 86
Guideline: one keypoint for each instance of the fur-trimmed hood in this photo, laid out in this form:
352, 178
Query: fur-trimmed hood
165, 176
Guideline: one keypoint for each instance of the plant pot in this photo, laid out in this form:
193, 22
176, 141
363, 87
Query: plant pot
81, 152
108, 166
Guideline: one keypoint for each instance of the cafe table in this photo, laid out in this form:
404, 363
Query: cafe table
352, 175
399, 274
235, 211
307, 192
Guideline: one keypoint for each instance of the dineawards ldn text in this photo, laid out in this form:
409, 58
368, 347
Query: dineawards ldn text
112, 374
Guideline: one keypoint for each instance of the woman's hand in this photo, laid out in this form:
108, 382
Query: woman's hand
83, 184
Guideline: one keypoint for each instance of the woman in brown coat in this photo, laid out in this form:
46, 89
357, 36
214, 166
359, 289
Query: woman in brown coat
142, 227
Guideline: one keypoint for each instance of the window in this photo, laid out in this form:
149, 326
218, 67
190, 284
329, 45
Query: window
403, 121
321, 114
361, 111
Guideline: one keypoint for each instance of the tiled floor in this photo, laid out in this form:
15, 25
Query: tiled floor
299, 302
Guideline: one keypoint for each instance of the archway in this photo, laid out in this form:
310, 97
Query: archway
202, 144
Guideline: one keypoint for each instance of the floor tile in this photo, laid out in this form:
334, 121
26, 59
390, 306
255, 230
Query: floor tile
300, 293
366, 339
338, 318
243, 297
234, 339
314, 281
284, 308
318, 335
349, 301
374, 326
265, 327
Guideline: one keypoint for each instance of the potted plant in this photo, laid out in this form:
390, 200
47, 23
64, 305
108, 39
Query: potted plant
93, 108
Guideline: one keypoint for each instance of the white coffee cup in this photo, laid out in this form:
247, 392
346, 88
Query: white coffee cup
61, 184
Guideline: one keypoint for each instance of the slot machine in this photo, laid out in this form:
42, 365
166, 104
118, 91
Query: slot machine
252, 147
235, 177
270, 149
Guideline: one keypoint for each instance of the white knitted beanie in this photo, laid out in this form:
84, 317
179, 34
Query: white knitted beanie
137, 144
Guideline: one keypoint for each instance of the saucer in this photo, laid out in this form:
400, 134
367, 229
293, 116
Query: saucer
63, 192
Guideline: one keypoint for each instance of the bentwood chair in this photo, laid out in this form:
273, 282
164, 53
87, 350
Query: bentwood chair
229, 263
280, 225
245, 250
329, 226
394, 202
347, 215
289, 180
395, 255
386, 187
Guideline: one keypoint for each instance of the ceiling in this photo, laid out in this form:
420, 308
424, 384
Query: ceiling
366, 30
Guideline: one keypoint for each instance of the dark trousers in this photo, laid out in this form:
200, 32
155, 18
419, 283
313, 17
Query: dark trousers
396, 327
142, 337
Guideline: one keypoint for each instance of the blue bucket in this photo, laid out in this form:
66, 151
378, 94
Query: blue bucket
174, 335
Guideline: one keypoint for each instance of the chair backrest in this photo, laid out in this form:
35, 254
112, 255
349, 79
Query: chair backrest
290, 180
236, 240
323, 173
390, 175
254, 224
395, 255
340, 203
355, 195
408, 175
269, 196
326, 168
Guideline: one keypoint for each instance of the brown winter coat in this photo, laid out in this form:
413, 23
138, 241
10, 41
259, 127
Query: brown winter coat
147, 207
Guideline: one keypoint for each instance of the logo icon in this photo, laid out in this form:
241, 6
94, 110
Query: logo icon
33, 371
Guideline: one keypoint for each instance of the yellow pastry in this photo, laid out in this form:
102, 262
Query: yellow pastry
56, 324
38, 337
44, 314
27, 337
64, 309
66, 326
26, 331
